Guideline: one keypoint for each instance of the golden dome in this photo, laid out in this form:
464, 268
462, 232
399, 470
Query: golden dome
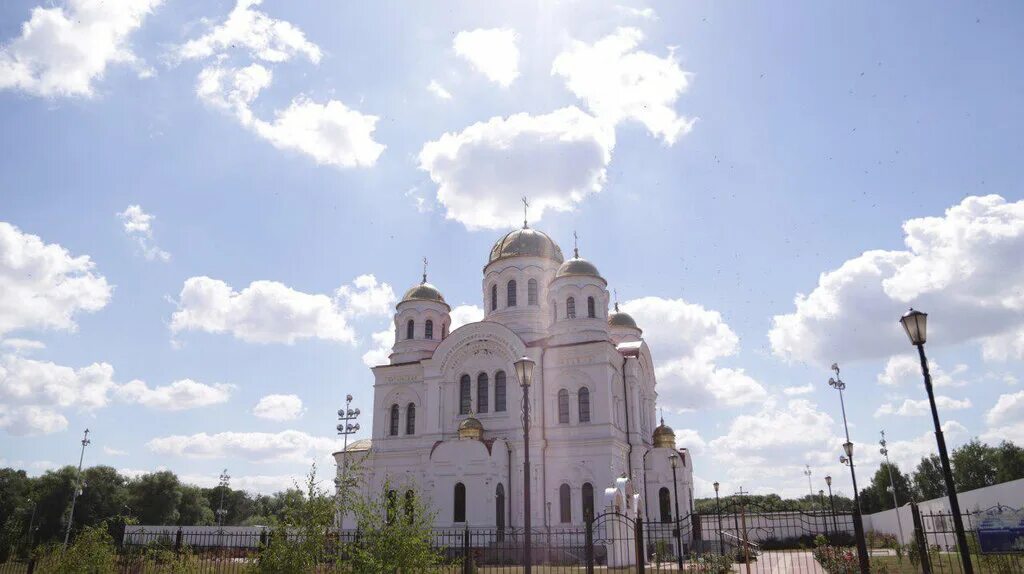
621, 319
471, 428
577, 266
423, 292
664, 437
528, 243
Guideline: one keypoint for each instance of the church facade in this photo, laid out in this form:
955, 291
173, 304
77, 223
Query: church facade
447, 409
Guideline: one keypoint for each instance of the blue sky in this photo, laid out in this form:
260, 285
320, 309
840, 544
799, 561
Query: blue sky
715, 158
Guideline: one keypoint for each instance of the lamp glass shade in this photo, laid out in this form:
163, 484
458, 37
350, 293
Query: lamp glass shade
915, 323
848, 447
716, 486
828, 480
524, 370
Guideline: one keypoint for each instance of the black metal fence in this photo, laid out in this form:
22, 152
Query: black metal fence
936, 540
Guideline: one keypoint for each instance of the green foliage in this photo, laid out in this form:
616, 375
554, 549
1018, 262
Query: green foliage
154, 497
193, 507
877, 496
91, 551
928, 480
836, 560
974, 466
712, 564
299, 543
395, 532
773, 503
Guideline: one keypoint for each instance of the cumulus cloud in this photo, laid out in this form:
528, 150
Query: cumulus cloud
618, 82
279, 407
42, 286
906, 370
138, 225
642, 13
492, 52
383, 342
686, 340
435, 87
789, 433
1009, 408
288, 445
907, 453
271, 312
798, 390
31, 420
265, 38
179, 395
465, 314
690, 439
22, 346
965, 263
915, 408
62, 50
482, 171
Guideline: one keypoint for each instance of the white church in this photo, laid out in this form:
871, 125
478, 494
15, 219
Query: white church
447, 416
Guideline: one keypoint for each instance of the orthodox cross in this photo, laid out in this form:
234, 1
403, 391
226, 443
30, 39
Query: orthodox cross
575, 245
662, 409
526, 205
424, 269
615, 293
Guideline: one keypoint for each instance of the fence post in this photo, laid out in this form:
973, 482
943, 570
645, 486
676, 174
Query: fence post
641, 550
920, 538
467, 560
177, 541
679, 543
589, 550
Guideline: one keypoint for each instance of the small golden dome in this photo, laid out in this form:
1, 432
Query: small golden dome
577, 266
471, 428
423, 292
621, 319
664, 437
526, 242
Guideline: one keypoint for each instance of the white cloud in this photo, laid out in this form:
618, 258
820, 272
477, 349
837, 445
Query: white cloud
687, 340
965, 265
906, 370
63, 50
279, 407
110, 451
380, 353
31, 420
435, 87
42, 286
642, 13
492, 52
914, 408
465, 314
800, 390
265, 38
482, 171
138, 225
690, 439
331, 133
45, 384
179, 395
366, 297
288, 445
618, 82
1009, 408
22, 346
907, 453
774, 434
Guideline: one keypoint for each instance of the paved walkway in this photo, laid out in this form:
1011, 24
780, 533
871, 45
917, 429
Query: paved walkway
782, 562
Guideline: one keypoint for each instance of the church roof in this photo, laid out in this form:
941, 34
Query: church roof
526, 242
423, 292
360, 445
621, 319
577, 266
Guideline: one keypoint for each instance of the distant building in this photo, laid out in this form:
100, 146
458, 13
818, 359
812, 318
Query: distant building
447, 409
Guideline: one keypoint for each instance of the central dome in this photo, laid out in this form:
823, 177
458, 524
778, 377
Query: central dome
526, 242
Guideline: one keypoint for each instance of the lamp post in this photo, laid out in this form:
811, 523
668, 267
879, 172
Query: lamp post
675, 492
832, 503
79, 485
915, 323
718, 507
224, 484
821, 503
810, 489
895, 501
345, 428
524, 372
858, 524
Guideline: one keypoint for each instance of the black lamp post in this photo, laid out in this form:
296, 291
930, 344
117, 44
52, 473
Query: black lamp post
832, 503
675, 492
915, 323
858, 523
821, 502
718, 506
524, 371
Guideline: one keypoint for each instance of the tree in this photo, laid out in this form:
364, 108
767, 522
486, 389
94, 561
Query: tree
103, 496
928, 480
395, 531
974, 466
154, 497
878, 496
298, 543
52, 494
1009, 460
193, 508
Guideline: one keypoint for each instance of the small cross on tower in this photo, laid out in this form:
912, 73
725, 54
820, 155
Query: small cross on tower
526, 205
575, 245
424, 269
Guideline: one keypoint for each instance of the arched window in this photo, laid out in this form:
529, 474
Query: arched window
465, 396
482, 400
563, 407
393, 426
588, 501
392, 506
499, 507
510, 297
584, 400
499, 392
410, 419
444, 330
459, 514
410, 505
410, 329
565, 503
494, 297
665, 504
591, 308
570, 308
531, 292
428, 329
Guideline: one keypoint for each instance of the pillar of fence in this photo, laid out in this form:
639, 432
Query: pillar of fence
641, 549
177, 541
467, 560
920, 539
589, 550
679, 543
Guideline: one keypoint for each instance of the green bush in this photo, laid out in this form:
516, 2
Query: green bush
93, 551
712, 564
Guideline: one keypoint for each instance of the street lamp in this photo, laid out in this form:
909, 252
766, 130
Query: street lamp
915, 323
345, 428
524, 372
224, 484
821, 502
675, 491
858, 525
718, 507
810, 489
832, 503
895, 501
79, 485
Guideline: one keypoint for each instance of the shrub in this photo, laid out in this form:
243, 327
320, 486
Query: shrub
712, 564
835, 560
92, 551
